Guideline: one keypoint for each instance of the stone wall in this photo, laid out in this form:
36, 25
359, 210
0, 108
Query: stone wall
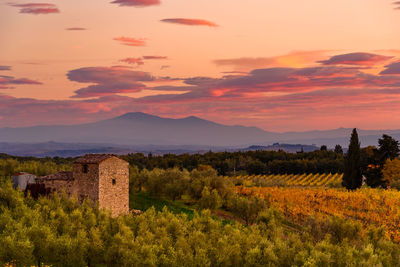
59, 185
114, 185
86, 184
58, 182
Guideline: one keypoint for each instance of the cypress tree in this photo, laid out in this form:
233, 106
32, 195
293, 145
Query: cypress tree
352, 178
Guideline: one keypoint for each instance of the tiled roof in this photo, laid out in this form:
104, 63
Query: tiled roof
58, 176
19, 173
93, 158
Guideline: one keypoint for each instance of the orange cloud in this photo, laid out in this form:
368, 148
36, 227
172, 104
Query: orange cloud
131, 41
190, 22
293, 59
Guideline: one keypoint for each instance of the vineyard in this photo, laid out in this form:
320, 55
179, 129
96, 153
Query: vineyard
313, 180
367, 206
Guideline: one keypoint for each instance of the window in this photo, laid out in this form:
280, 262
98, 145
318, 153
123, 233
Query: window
85, 168
114, 181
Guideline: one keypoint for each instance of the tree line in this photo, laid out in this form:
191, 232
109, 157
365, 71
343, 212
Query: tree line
225, 163
249, 162
376, 166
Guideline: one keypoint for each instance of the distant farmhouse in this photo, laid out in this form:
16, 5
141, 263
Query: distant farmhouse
101, 178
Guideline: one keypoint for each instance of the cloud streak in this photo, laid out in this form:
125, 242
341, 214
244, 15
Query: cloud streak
131, 41
36, 8
136, 3
76, 29
293, 59
133, 60
190, 22
360, 59
108, 81
140, 60
6, 81
154, 57
5, 68
397, 5
393, 68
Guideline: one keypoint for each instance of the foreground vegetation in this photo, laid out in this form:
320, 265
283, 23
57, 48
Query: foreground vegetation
58, 231
269, 208
366, 206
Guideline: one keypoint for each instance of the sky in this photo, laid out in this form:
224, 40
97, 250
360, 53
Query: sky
281, 65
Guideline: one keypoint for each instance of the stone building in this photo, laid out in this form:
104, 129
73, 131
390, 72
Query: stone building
22, 179
101, 178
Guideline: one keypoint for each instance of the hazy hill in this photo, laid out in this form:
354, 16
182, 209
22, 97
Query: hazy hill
140, 129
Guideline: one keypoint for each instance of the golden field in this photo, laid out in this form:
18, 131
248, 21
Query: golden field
370, 207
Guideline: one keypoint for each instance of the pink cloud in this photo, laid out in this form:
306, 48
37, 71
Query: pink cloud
274, 98
190, 22
363, 59
131, 41
397, 5
36, 8
136, 3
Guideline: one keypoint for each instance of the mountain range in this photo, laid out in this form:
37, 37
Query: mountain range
142, 131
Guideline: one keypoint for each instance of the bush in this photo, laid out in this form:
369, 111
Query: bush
57, 231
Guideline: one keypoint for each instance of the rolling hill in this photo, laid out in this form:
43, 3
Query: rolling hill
147, 132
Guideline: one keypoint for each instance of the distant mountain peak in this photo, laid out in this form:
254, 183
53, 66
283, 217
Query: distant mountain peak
136, 115
145, 116
193, 118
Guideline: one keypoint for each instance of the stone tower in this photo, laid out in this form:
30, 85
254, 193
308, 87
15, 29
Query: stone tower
103, 178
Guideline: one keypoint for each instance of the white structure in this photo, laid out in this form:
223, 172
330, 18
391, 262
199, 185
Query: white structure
21, 180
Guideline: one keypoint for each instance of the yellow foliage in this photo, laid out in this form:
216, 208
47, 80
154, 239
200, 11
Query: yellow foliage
318, 180
391, 171
367, 206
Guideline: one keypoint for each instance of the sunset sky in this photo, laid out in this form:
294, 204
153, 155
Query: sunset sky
281, 65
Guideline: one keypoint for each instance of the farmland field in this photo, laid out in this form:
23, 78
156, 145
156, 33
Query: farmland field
313, 180
370, 207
